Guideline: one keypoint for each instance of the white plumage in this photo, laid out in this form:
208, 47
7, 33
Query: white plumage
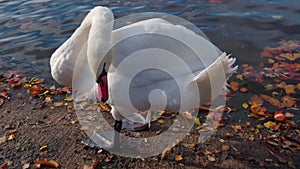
88, 45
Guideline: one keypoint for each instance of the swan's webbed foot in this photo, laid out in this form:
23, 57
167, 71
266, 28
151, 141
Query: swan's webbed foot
136, 122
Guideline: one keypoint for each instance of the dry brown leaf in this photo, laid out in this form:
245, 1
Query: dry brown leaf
281, 85
243, 89
269, 124
225, 147
290, 56
104, 107
288, 101
178, 158
43, 148
11, 137
290, 89
26, 166
239, 76
279, 116
87, 167
69, 99
234, 86
58, 104
2, 139
289, 115
272, 100
44, 161
165, 153
256, 99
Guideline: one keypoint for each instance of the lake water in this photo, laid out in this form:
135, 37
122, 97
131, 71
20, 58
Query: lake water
30, 30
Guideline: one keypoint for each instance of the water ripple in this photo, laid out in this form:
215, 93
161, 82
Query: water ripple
32, 29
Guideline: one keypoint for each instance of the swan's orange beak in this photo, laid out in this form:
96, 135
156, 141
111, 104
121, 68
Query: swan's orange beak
103, 89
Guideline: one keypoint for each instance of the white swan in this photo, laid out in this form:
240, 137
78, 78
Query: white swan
94, 38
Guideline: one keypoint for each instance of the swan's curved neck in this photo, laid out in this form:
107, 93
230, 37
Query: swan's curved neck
98, 24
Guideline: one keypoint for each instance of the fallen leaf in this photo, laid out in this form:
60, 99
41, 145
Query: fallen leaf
225, 147
259, 80
256, 99
50, 163
2, 139
87, 167
197, 121
269, 124
288, 101
272, 101
178, 158
237, 128
48, 99
290, 56
43, 148
245, 105
52, 87
11, 137
104, 107
289, 115
11, 131
243, 89
234, 86
211, 158
239, 76
290, 89
69, 99
26, 166
269, 87
279, 116
58, 104
165, 153
6, 165
257, 110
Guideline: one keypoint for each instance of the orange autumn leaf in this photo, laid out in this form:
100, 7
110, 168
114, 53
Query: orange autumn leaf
288, 101
269, 124
239, 76
298, 86
234, 86
290, 89
257, 111
225, 147
279, 116
281, 85
256, 99
243, 89
290, 56
50, 163
178, 158
272, 100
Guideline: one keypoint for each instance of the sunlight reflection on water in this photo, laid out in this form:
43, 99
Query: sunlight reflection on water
32, 29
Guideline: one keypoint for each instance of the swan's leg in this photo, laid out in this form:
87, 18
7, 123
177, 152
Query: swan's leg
137, 122
116, 135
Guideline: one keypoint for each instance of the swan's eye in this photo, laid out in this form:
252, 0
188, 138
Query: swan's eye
103, 73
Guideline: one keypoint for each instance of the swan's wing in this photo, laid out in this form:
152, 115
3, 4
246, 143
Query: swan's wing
195, 51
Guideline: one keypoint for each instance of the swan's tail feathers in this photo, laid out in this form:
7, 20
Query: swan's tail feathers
229, 69
228, 63
214, 77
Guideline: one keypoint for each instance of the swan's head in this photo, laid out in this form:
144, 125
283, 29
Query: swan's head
102, 84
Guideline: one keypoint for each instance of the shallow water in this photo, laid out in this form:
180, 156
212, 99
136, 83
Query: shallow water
32, 29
